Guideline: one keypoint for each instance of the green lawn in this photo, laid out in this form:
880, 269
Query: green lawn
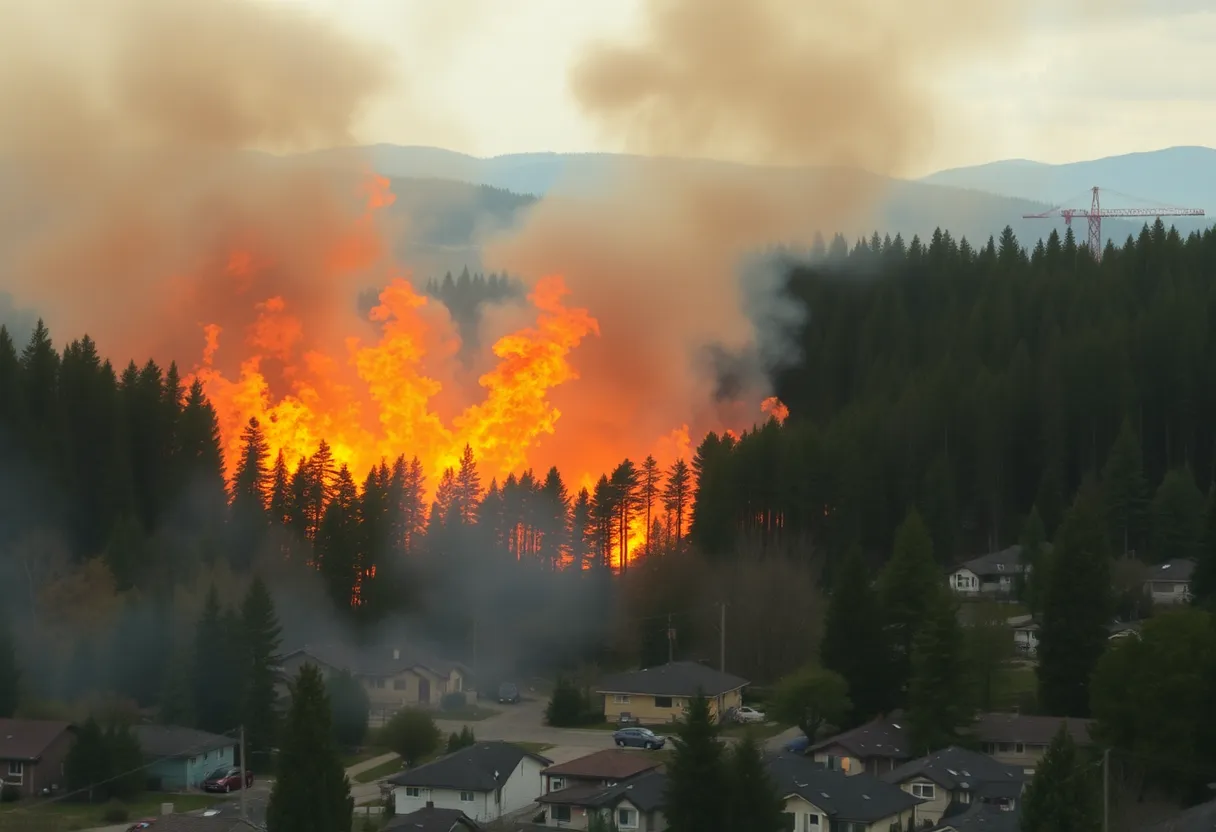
534, 747
1014, 686
65, 816
376, 772
352, 758
469, 713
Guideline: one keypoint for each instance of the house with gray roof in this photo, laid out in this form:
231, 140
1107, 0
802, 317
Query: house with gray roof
635, 803
994, 574
182, 758
874, 748
1170, 582
982, 817
949, 781
820, 799
1021, 739
485, 781
32, 753
432, 819
655, 695
1200, 818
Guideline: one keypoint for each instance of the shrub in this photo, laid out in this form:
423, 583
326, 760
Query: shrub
115, 812
412, 734
9, 793
568, 707
462, 740
452, 701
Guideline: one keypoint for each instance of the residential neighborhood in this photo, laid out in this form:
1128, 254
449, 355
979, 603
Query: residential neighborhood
658, 695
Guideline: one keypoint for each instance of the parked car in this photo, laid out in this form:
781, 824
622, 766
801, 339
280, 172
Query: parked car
638, 738
747, 714
798, 745
226, 779
140, 825
508, 693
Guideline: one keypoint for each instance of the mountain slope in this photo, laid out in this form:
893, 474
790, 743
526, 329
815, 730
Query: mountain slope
1177, 176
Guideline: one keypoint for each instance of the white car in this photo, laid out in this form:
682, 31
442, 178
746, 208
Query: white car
746, 714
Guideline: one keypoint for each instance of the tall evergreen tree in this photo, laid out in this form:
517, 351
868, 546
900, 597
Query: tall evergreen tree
1178, 518
1062, 796
261, 638
909, 588
10, 673
1203, 581
753, 803
215, 678
696, 795
1032, 581
940, 696
311, 792
1125, 491
852, 635
339, 542
677, 498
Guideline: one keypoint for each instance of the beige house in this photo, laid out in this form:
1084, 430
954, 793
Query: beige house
632, 805
394, 677
819, 800
1021, 739
874, 748
954, 779
661, 694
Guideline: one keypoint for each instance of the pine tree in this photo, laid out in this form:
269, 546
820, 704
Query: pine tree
1032, 581
582, 533
1203, 581
338, 542
311, 792
215, 678
909, 587
554, 519
753, 803
696, 795
1077, 607
261, 638
677, 497
852, 635
10, 673
650, 489
940, 698
1178, 518
468, 489
1062, 796
625, 482
1125, 491
350, 704
250, 493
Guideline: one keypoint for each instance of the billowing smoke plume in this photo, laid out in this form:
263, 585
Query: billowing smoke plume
839, 93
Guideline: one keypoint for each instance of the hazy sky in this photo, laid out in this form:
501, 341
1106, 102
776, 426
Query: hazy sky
491, 76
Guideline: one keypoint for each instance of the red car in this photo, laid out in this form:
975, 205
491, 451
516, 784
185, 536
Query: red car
226, 779
140, 825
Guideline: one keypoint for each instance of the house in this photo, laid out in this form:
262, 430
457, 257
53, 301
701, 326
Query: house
600, 770
633, 804
948, 781
1124, 629
432, 819
1200, 818
394, 677
874, 748
181, 758
982, 817
32, 752
1170, 582
485, 781
661, 694
820, 799
1022, 739
1025, 633
992, 574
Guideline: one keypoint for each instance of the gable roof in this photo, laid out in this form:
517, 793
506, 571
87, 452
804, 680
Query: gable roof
1007, 561
197, 823
28, 739
610, 764
672, 679
981, 817
1201, 818
1178, 569
469, 769
885, 736
644, 791
956, 769
1030, 729
176, 741
432, 819
861, 798
373, 661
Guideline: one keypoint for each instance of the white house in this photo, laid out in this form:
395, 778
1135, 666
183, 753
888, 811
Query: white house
1170, 582
485, 781
819, 799
992, 574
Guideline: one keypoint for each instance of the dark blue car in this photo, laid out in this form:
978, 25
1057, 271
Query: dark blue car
798, 745
638, 738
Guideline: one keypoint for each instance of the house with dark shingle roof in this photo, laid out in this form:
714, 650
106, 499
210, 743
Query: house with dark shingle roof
822, 799
949, 781
601, 769
874, 748
432, 819
1200, 818
485, 781
1170, 582
992, 574
394, 677
182, 758
636, 803
982, 817
1021, 739
660, 694
32, 753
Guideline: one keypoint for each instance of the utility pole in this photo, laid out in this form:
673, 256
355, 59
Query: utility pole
722, 636
1106, 790
476, 680
671, 641
244, 807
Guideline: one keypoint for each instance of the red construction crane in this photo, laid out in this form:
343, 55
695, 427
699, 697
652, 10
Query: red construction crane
1096, 212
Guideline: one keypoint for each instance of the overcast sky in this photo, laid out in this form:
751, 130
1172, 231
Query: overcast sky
488, 77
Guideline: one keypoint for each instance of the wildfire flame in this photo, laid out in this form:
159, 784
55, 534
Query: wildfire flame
775, 408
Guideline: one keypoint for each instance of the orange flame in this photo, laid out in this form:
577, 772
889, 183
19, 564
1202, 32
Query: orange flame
775, 408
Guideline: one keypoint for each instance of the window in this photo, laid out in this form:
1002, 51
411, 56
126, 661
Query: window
398, 684
466, 797
925, 791
16, 771
833, 763
1019, 748
556, 783
662, 701
620, 699
380, 683
626, 818
413, 791
560, 814
810, 823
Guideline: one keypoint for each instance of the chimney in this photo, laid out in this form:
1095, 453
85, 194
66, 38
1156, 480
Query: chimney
396, 654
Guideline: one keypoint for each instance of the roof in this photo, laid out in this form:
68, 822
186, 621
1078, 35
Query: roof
196, 823
374, 661
1201, 818
469, 769
610, 764
982, 817
176, 741
1026, 728
28, 739
881, 737
861, 798
1178, 569
644, 791
1005, 562
672, 679
431, 819
957, 769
